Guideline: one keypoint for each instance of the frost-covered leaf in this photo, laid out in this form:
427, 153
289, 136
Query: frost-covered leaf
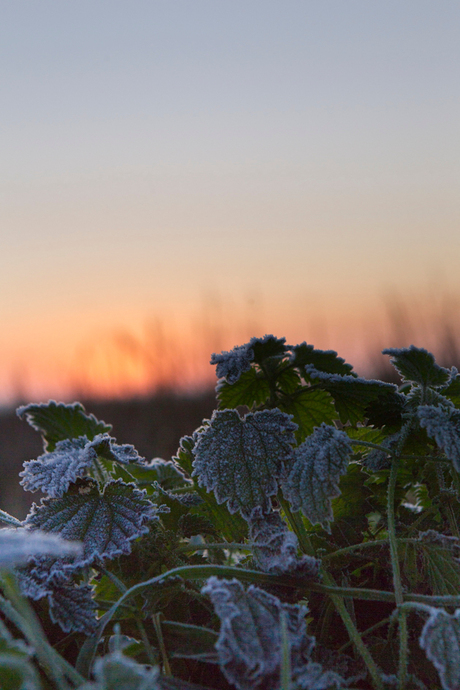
444, 427
315, 677
58, 421
314, 475
73, 608
376, 459
274, 546
116, 671
168, 474
105, 523
53, 472
440, 639
323, 360
417, 365
72, 459
352, 396
309, 407
250, 639
240, 459
18, 545
230, 365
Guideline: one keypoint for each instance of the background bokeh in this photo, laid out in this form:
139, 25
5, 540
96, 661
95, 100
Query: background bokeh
178, 176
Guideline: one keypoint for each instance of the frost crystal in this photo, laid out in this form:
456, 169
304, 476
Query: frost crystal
106, 523
274, 546
18, 545
313, 480
444, 427
241, 459
250, 639
440, 639
232, 364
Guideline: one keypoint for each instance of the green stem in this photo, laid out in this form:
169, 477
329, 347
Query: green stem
164, 655
19, 611
397, 583
355, 637
295, 520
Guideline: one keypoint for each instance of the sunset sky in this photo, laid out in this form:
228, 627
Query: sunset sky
179, 175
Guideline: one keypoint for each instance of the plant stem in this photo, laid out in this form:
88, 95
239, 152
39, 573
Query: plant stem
297, 525
397, 584
355, 637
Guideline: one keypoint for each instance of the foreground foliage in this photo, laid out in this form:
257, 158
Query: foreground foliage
306, 537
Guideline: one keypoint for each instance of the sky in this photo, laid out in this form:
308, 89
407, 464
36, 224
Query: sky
177, 176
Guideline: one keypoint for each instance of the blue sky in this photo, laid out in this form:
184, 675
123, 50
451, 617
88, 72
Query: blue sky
305, 155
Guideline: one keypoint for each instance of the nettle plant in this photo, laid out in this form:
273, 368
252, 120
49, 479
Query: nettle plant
305, 537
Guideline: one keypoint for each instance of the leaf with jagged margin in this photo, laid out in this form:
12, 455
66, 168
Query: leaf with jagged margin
252, 388
105, 523
444, 427
58, 421
315, 677
309, 408
432, 562
440, 639
314, 476
231, 527
240, 459
71, 606
274, 546
232, 364
18, 545
250, 638
352, 396
323, 360
53, 473
417, 365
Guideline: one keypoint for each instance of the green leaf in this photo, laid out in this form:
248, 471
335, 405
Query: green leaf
323, 360
58, 421
314, 475
16, 671
433, 560
453, 390
240, 459
309, 408
352, 396
252, 388
440, 639
417, 365
105, 523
